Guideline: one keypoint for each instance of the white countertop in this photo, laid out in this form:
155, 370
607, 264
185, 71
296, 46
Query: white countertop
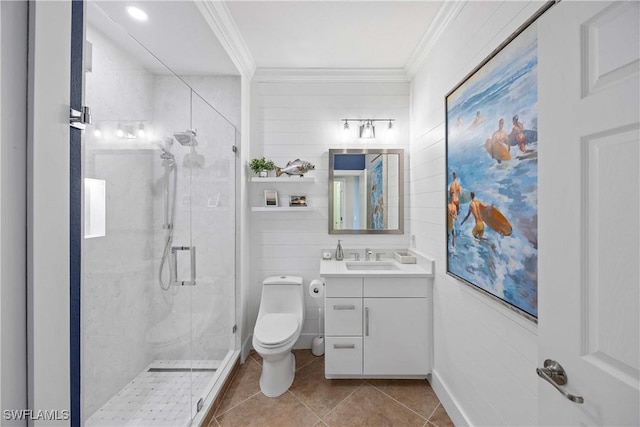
334, 268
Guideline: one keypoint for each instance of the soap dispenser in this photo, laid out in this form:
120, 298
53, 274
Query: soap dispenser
339, 252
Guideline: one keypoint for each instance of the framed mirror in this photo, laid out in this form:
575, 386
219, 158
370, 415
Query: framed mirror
366, 191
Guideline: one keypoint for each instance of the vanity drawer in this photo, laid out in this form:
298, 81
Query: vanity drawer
406, 287
343, 316
343, 356
341, 287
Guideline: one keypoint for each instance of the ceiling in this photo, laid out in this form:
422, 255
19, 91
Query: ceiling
300, 34
332, 34
176, 33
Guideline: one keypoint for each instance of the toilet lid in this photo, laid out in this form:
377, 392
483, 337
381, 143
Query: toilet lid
276, 328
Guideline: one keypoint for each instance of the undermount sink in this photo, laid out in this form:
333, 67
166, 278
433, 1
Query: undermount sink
371, 265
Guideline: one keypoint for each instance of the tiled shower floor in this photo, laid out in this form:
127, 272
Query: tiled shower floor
160, 397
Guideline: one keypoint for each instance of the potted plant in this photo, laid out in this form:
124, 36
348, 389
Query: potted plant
261, 166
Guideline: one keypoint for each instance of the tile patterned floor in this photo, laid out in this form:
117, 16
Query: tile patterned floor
157, 398
316, 401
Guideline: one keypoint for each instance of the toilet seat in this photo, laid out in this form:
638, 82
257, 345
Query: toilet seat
275, 329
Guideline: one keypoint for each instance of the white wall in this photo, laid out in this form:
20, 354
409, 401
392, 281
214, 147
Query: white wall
291, 120
485, 355
48, 208
13, 173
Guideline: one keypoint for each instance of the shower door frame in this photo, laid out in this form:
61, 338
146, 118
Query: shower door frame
76, 100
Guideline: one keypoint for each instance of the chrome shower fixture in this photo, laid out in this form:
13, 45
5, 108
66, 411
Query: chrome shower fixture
186, 138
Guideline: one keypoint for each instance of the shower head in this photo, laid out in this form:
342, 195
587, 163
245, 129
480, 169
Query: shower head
166, 154
186, 138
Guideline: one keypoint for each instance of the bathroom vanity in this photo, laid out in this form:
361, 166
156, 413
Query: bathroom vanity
377, 319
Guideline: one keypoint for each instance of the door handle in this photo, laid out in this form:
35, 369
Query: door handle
174, 266
366, 321
344, 346
344, 307
555, 375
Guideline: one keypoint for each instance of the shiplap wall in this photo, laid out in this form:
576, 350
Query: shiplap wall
484, 355
292, 120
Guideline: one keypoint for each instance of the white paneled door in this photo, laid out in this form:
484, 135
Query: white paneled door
589, 211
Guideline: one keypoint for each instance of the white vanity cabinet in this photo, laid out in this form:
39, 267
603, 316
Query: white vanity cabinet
377, 327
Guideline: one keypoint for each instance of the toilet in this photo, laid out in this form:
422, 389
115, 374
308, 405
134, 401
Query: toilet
278, 327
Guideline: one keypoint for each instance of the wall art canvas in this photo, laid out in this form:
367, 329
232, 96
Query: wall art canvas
492, 175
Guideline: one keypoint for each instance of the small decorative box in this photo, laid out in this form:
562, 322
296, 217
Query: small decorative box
404, 257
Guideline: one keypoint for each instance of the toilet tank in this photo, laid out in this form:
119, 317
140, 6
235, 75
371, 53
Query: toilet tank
282, 294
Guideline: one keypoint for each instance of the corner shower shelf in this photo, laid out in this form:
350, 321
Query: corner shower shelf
283, 209
287, 180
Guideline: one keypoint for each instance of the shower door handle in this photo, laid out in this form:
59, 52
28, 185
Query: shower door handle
174, 266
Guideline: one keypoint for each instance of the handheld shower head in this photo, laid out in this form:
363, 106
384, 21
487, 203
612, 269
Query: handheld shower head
186, 138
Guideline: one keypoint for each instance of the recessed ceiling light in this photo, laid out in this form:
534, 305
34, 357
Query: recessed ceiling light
137, 14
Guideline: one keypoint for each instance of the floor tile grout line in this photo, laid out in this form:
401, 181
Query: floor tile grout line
434, 411
235, 406
342, 401
303, 404
396, 400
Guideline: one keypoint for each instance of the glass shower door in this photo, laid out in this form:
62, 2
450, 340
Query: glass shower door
211, 164
158, 257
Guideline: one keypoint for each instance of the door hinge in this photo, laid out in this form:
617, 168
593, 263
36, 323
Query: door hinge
234, 148
80, 119
199, 405
234, 329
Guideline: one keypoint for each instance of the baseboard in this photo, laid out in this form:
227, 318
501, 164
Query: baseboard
451, 405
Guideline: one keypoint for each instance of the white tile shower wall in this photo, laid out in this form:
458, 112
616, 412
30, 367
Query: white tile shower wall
485, 356
117, 268
291, 120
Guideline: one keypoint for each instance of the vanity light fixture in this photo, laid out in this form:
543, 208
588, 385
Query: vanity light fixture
120, 131
345, 131
366, 130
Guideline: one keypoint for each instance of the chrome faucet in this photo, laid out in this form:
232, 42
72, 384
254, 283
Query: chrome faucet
367, 254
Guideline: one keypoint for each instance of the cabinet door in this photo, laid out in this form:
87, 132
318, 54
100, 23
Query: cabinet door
396, 340
343, 356
343, 316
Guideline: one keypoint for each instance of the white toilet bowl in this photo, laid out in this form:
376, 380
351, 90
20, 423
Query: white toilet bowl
277, 329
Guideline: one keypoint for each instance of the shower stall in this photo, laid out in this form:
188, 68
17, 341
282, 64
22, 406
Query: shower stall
159, 250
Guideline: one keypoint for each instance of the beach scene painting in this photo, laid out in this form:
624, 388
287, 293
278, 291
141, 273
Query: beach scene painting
492, 176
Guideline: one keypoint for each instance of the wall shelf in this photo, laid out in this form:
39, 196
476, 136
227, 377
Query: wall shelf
282, 209
285, 179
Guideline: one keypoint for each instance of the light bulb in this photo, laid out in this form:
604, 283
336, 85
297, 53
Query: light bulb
97, 132
367, 130
137, 14
141, 131
345, 131
120, 132
391, 132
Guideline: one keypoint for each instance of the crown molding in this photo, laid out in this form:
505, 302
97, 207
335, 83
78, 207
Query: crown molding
219, 18
330, 75
447, 13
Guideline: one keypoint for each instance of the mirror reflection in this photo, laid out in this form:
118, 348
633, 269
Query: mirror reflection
366, 191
